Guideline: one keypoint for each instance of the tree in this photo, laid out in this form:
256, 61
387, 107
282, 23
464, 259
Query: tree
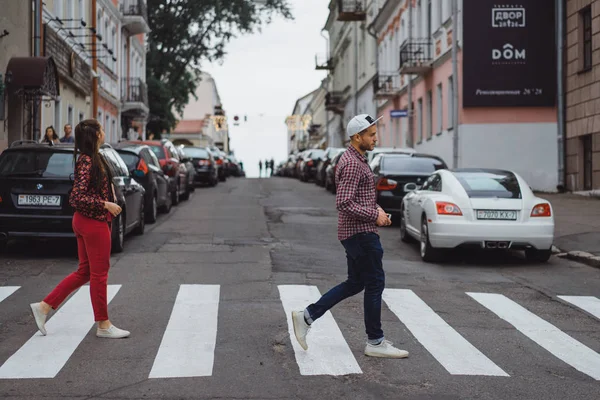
187, 32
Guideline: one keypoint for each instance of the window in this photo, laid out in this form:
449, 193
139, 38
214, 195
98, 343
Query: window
440, 108
99, 119
131, 159
429, 115
488, 184
586, 24
420, 120
70, 115
406, 164
113, 129
587, 162
107, 127
49, 164
450, 103
433, 183
81, 116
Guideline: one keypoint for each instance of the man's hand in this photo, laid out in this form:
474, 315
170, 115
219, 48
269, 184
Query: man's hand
382, 218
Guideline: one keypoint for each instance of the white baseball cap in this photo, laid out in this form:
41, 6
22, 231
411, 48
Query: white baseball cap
360, 123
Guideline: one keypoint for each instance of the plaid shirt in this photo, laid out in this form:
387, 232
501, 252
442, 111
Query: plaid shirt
356, 198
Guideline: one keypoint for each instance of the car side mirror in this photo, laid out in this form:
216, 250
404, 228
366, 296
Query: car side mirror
138, 173
409, 187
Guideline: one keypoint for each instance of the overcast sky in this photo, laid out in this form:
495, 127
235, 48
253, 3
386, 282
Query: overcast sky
263, 75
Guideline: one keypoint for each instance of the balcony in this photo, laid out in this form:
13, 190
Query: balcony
134, 95
323, 62
135, 16
334, 101
416, 56
352, 10
386, 85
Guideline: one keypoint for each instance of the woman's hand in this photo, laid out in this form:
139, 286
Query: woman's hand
112, 208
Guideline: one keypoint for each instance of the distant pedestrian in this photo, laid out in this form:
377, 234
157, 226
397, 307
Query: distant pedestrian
272, 166
260, 168
68, 138
93, 198
50, 137
359, 216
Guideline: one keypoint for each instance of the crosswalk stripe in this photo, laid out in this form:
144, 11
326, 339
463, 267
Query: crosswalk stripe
590, 304
328, 353
452, 350
188, 345
44, 356
6, 291
543, 333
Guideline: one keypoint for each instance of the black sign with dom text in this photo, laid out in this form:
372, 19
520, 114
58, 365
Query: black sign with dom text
509, 53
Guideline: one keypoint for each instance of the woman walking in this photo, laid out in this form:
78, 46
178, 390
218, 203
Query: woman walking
93, 199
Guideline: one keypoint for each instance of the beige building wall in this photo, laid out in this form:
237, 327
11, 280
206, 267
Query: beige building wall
582, 95
16, 19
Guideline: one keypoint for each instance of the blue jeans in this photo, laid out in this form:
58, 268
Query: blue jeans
365, 271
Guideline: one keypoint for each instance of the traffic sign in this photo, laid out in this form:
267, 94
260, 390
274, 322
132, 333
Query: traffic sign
398, 113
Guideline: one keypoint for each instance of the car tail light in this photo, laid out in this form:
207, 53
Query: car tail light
541, 210
387, 184
219, 161
445, 208
142, 166
203, 162
310, 163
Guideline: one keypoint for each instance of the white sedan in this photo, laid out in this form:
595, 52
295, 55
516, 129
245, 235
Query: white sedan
485, 208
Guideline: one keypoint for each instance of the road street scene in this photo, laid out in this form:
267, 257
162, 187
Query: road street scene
206, 293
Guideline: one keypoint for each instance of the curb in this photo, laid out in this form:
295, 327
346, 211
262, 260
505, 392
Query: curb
579, 256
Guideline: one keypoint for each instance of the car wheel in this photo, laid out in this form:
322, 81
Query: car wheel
152, 214
175, 196
139, 230
166, 208
404, 236
118, 242
535, 255
186, 195
428, 253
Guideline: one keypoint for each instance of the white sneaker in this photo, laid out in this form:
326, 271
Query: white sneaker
301, 328
112, 333
39, 316
385, 350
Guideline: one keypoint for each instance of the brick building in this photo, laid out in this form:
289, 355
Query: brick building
582, 88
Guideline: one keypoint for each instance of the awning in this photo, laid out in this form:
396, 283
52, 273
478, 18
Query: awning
35, 76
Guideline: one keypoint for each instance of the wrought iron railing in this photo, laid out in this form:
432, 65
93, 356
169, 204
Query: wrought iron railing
323, 61
386, 84
352, 6
134, 90
416, 52
135, 7
333, 99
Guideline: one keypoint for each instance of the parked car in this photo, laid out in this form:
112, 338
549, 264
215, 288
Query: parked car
220, 162
204, 163
486, 208
190, 170
168, 157
308, 165
36, 181
130, 196
391, 150
321, 174
392, 171
145, 168
330, 173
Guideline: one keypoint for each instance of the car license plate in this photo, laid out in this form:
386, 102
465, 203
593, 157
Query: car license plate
497, 214
38, 200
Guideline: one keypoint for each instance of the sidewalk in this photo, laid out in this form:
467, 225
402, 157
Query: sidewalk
577, 226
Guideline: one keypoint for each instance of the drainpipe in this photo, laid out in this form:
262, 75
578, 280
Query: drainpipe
94, 65
409, 136
328, 55
455, 140
37, 12
356, 68
560, 94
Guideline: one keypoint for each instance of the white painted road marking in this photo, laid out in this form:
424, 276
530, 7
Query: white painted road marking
328, 353
188, 345
453, 351
543, 333
6, 291
44, 356
590, 304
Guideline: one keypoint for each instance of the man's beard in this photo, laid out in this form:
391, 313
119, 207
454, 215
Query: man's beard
365, 147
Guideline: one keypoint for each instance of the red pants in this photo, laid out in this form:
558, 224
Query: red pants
93, 247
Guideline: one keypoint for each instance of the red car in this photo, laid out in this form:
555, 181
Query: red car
172, 165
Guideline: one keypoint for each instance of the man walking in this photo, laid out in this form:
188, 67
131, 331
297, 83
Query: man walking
68, 138
359, 216
259, 168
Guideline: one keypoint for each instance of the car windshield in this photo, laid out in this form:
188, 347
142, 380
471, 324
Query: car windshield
38, 163
131, 160
490, 184
409, 165
195, 153
314, 154
159, 151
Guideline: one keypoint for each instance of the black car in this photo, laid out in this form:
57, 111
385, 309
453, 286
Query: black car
36, 181
393, 171
204, 163
321, 175
190, 171
145, 168
330, 172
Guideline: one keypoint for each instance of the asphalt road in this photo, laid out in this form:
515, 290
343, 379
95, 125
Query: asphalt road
204, 291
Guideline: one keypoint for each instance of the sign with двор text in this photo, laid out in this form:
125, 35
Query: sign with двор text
509, 53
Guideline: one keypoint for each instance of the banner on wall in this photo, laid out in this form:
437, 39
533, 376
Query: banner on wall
509, 53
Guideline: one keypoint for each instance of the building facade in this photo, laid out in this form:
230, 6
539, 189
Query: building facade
582, 88
505, 111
